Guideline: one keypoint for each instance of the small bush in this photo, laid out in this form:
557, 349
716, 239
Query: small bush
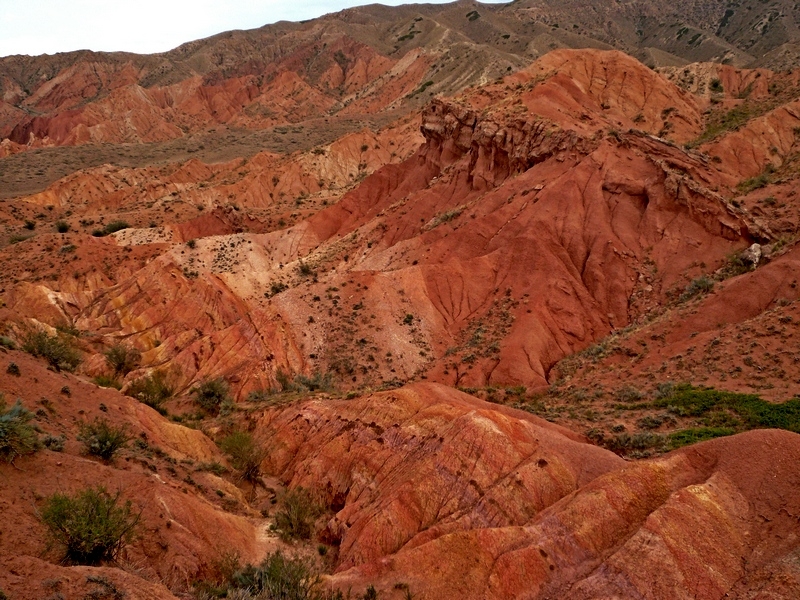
115, 226
628, 394
54, 442
90, 525
7, 342
152, 390
735, 265
317, 382
370, 594
13, 369
102, 439
305, 269
112, 227
285, 384
698, 286
17, 437
210, 394
192, 244
62, 226
212, 467
245, 454
297, 514
123, 359
57, 349
107, 382
279, 577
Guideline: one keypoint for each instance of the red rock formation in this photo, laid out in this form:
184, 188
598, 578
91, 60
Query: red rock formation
456, 497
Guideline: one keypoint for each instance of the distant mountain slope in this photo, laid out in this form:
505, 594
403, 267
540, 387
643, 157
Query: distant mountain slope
360, 60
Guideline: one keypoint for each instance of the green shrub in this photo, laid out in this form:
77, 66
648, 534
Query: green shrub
317, 382
742, 411
17, 436
281, 578
57, 349
210, 394
245, 454
370, 594
107, 382
628, 394
102, 439
735, 265
285, 384
686, 437
698, 286
7, 342
54, 442
296, 516
62, 226
115, 226
212, 467
152, 390
90, 525
123, 359
636, 444
112, 227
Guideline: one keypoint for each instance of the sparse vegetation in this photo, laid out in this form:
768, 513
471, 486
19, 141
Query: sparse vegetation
62, 226
17, 436
713, 408
317, 382
110, 228
245, 454
297, 513
152, 390
54, 442
123, 359
719, 124
57, 349
759, 181
91, 526
102, 439
278, 577
712, 413
107, 382
210, 394
700, 286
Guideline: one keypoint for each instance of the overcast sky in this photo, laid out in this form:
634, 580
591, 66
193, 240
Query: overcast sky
145, 26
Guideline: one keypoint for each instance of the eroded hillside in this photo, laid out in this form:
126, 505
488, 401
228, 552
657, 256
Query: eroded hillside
447, 330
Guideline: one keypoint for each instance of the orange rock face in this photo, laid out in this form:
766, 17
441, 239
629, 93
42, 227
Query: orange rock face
453, 496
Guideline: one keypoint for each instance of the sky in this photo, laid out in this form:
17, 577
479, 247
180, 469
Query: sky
145, 26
